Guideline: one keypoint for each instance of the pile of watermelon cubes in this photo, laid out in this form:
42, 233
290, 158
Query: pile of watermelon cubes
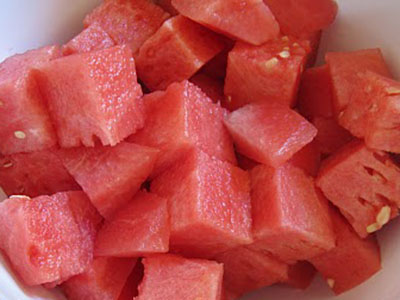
189, 150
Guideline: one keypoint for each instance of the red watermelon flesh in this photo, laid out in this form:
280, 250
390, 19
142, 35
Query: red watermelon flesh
247, 20
26, 124
90, 39
176, 52
130, 289
93, 96
129, 22
170, 277
110, 176
35, 174
294, 224
180, 118
212, 87
269, 133
352, 261
49, 238
229, 295
308, 159
301, 275
364, 184
139, 228
209, 205
104, 279
267, 73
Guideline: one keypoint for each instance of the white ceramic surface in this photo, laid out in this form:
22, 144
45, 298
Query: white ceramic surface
26, 24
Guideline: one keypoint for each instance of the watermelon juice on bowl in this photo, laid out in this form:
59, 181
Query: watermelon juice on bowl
361, 24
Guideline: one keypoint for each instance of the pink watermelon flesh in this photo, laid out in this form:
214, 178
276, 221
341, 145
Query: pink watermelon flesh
139, 228
90, 39
129, 22
93, 97
209, 205
176, 52
301, 275
104, 279
170, 277
212, 87
308, 159
247, 20
130, 289
269, 133
26, 124
267, 73
294, 224
352, 261
180, 118
110, 176
48, 239
35, 174
361, 182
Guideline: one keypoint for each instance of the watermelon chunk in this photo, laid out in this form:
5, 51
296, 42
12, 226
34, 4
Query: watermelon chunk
266, 73
110, 176
176, 52
170, 277
90, 39
129, 22
301, 275
212, 87
26, 124
93, 96
209, 204
49, 238
104, 279
352, 261
247, 20
35, 174
130, 289
180, 118
269, 133
294, 223
308, 159
139, 228
364, 184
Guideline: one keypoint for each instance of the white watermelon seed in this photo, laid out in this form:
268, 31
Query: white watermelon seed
372, 228
392, 91
331, 282
229, 99
20, 134
383, 216
284, 54
7, 165
285, 38
271, 63
20, 197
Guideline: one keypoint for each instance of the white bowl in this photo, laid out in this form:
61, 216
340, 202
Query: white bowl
26, 24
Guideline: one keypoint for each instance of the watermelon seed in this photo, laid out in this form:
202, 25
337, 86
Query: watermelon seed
284, 54
296, 45
20, 134
20, 197
285, 38
269, 64
384, 216
229, 99
341, 114
392, 91
8, 164
372, 228
330, 282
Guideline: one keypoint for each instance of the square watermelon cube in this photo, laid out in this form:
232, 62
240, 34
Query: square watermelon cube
26, 124
93, 97
209, 205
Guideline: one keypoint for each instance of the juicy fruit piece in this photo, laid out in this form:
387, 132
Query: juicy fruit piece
209, 205
139, 228
170, 277
250, 21
35, 174
129, 22
26, 124
176, 52
294, 224
267, 73
49, 238
269, 133
363, 184
180, 118
110, 176
212, 87
90, 39
352, 261
96, 283
308, 159
301, 275
93, 96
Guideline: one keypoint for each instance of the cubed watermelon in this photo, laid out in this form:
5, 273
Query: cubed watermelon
130, 289
180, 118
93, 96
308, 159
110, 176
49, 238
290, 218
104, 279
364, 184
212, 87
176, 52
35, 174
170, 277
26, 124
139, 228
266, 73
352, 261
301, 275
269, 133
209, 204
129, 22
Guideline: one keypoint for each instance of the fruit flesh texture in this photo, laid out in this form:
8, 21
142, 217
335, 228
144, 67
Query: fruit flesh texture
308, 159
